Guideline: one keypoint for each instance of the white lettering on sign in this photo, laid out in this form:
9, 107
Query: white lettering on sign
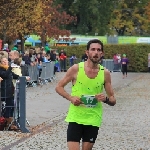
89, 99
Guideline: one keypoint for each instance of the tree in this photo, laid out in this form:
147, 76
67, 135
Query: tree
54, 21
129, 18
7, 9
148, 16
28, 17
21, 19
92, 15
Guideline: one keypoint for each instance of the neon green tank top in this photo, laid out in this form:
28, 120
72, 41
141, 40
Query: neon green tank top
89, 113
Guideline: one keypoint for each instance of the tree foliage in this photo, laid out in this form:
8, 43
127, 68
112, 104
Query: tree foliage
148, 15
52, 18
92, 15
129, 18
54, 21
19, 19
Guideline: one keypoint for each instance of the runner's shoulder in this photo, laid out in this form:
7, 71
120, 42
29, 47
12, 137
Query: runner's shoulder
74, 68
106, 71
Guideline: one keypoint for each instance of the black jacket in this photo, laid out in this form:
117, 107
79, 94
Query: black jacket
7, 89
84, 57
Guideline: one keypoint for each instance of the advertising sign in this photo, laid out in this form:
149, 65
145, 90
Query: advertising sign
62, 44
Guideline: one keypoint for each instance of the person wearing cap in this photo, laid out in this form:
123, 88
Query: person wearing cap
124, 63
14, 48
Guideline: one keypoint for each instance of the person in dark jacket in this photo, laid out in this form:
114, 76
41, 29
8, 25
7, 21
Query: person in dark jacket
7, 89
27, 59
53, 59
84, 57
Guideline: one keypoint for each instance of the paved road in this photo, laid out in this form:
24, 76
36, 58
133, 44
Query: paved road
125, 126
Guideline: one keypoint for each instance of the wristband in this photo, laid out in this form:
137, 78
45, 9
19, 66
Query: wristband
107, 100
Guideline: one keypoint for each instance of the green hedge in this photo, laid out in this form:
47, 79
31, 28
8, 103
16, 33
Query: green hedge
136, 53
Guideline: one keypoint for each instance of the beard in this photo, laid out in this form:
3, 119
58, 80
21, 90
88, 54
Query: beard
95, 59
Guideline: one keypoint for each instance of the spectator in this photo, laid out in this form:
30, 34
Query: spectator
63, 63
53, 59
4, 53
115, 60
62, 51
7, 91
124, 63
24, 68
12, 55
119, 61
101, 60
27, 59
39, 63
44, 57
16, 68
53, 55
57, 64
84, 57
72, 59
62, 58
47, 49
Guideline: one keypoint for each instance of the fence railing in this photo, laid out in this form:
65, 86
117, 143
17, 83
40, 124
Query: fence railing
107, 63
19, 100
47, 73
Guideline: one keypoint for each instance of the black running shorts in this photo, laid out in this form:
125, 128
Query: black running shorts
76, 132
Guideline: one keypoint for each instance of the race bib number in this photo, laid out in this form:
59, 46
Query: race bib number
89, 100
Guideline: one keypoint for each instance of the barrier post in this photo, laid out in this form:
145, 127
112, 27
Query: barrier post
22, 98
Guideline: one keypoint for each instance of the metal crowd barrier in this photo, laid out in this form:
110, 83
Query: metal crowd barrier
47, 73
108, 64
51, 71
20, 105
33, 74
17, 107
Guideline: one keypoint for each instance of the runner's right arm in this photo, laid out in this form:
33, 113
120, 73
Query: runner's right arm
70, 76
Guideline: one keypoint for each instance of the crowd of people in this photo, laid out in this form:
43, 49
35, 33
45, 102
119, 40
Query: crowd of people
13, 65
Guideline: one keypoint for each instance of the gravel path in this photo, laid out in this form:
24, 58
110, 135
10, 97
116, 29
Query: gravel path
126, 126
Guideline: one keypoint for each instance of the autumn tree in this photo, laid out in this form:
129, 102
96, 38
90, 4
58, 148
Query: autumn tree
148, 15
20, 19
54, 21
39, 17
7, 9
129, 18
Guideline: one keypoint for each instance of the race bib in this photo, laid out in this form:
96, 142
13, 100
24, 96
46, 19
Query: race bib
89, 100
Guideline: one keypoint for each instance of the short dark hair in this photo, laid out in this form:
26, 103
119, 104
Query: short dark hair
94, 41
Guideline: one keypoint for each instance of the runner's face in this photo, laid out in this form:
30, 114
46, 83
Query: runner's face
94, 53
